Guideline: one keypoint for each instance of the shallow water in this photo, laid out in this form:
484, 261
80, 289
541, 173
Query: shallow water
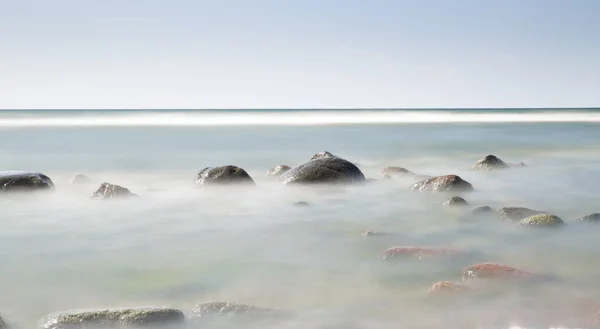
179, 246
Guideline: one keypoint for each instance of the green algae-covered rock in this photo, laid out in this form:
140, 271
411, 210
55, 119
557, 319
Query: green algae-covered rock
448, 183
22, 181
278, 170
517, 213
325, 170
544, 220
111, 191
489, 162
224, 175
114, 318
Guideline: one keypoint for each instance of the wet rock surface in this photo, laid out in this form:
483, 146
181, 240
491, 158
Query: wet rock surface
517, 213
114, 318
595, 217
542, 220
110, 191
321, 155
493, 271
23, 181
80, 179
278, 170
455, 201
448, 183
417, 252
489, 162
326, 170
224, 175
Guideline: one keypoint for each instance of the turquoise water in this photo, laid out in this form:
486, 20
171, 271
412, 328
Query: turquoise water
178, 246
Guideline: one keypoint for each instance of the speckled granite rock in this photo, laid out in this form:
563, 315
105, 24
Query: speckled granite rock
224, 175
321, 155
114, 318
278, 170
448, 183
542, 220
111, 191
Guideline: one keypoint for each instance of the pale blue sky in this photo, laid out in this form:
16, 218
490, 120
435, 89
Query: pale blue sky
299, 53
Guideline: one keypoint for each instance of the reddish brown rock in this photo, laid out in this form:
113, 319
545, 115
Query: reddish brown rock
417, 252
494, 271
448, 183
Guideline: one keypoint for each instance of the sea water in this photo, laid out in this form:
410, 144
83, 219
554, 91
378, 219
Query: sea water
178, 245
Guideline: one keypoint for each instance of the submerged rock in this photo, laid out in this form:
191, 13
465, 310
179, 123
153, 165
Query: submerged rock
489, 162
448, 287
373, 233
482, 210
595, 217
322, 155
111, 191
278, 170
545, 220
517, 213
493, 271
215, 312
332, 170
22, 181
449, 183
114, 318
417, 252
455, 201
80, 179
396, 171
225, 175
2, 324
301, 204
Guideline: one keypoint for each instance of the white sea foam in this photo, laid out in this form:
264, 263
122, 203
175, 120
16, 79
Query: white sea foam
294, 118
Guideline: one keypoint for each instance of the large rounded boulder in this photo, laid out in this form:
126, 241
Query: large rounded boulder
224, 175
542, 220
278, 170
448, 183
115, 318
23, 181
325, 170
110, 191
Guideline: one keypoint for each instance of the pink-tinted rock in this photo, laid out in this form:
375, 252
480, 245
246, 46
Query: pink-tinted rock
494, 271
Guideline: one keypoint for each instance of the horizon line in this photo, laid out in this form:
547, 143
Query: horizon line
305, 109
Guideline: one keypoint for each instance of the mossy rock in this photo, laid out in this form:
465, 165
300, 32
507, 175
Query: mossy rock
544, 220
278, 170
114, 318
224, 175
111, 191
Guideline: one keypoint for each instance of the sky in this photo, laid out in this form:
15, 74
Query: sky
110, 54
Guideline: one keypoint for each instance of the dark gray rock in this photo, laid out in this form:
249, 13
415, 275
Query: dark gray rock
111, 191
489, 162
114, 318
482, 210
595, 217
3, 324
80, 179
23, 181
327, 170
278, 170
517, 213
455, 201
449, 183
322, 155
301, 204
542, 220
225, 175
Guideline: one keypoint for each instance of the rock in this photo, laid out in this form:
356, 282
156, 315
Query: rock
482, 210
114, 318
595, 217
447, 287
396, 171
80, 179
372, 233
330, 170
519, 164
545, 220
21, 181
301, 204
322, 155
278, 170
493, 271
416, 252
455, 201
449, 183
517, 213
110, 191
489, 162
215, 311
2, 324
225, 175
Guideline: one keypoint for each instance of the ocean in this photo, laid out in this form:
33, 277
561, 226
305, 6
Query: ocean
178, 245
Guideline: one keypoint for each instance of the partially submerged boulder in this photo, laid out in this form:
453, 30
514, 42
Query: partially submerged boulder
278, 170
80, 179
114, 318
301, 204
482, 210
455, 201
224, 175
215, 311
489, 162
494, 271
23, 181
325, 170
517, 213
595, 217
448, 183
111, 191
448, 287
417, 252
321, 155
542, 220
396, 171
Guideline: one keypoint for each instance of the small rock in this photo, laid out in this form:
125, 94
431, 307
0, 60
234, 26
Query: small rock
80, 179
545, 220
448, 287
301, 204
482, 210
417, 252
2, 324
278, 170
111, 191
519, 164
326, 170
21, 181
214, 311
114, 318
322, 155
489, 162
517, 213
493, 271
455, 201
595, 217
224, 175
372, 233
396, 171
449, 183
